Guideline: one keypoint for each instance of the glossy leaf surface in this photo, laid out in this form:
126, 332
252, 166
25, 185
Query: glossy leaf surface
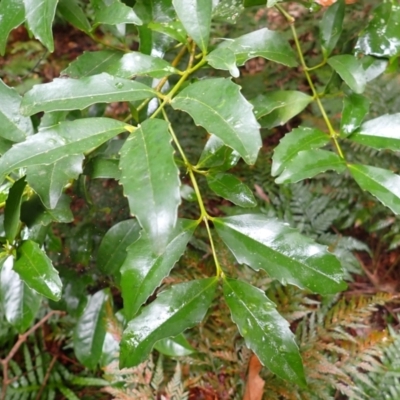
14, 126
73, 13
224, 59
277, 107
232, 121
177, 346
231, 188
66, 138
281, 251
373, 67
380, 133
216, 154
144, 270
309, 163
331, 26
151, 179
176, 309
381, 183
299, 139
77, 94
381, 38
113, 248
37, 271
19, 301
90, 330
195, 16
12, 210
115, 12
49, 180
355, 108
261, 43
40, 15
118, 64
265, 331
350, 70
13, 15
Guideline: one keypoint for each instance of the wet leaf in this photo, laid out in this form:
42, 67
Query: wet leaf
373, 67
231, 188
118, 64
53, 144
113, 248
232, 121
309, 163
381, 183
381, 37
299, 139
380, 133
12, 210
177, 346
281, 251
195, 16
115, 12
20, 303
331, 26
14, 126
13, 15
261, 43
355, 108
151, 180
90, 330
224, 59
39, 15
278, 107
143, 269
37, 271
350, 70
73, 13
49, 180
176, 309
265, 331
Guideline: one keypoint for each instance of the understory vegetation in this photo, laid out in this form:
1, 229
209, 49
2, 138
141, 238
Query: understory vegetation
199, 199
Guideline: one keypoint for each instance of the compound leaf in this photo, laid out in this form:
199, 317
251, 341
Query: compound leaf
178, 308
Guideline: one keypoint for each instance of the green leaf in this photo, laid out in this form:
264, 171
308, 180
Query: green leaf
265, 331
231, 188
73, 13
90, 330
20, 303
174, 347
299, 139
37, 271
331, 26
77, 94
373, 67
144, 270
118, 64
195, 16
381, 38
13, 15
224, 59
178, 308
173, 29
350, 70
277, 107
151, 179
116, 12
39, 16
113, 248
381, 183
251, 3
14, 126
49, 180
309, 163
216, 154
286, 255
106, 168
355, 108
261, 43
380, 133
66, 138
218, 106
12, 210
